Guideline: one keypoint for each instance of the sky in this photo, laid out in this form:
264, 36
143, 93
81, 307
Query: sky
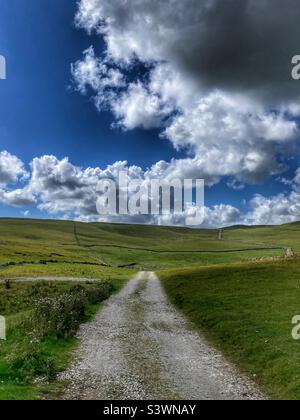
166, 89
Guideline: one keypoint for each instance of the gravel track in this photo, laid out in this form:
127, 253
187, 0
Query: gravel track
140, 347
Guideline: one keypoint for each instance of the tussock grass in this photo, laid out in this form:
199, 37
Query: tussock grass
42, 320
246, 311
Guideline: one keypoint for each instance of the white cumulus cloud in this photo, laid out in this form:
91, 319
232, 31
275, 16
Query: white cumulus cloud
64, 190
203, 86
11, 168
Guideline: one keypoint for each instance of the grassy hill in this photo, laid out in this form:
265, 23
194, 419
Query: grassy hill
238, 290
62, 245
246, 310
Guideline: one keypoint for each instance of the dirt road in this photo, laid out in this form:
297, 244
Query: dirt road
140, 347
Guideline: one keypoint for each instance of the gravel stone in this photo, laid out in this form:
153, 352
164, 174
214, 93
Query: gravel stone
139, 347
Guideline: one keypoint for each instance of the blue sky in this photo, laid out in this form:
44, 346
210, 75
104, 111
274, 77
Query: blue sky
40, 112
43, 113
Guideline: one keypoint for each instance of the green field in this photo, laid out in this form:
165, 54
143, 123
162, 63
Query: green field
238, 289
42, 319
102, 247
246, 311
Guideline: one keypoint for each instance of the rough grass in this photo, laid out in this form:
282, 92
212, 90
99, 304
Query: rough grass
67, 244
246, 311
244, 308
42, 319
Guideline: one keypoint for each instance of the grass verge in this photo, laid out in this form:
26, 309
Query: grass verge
42, 321
246, 311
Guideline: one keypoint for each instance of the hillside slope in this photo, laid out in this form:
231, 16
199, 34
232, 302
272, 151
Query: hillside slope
50, 242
